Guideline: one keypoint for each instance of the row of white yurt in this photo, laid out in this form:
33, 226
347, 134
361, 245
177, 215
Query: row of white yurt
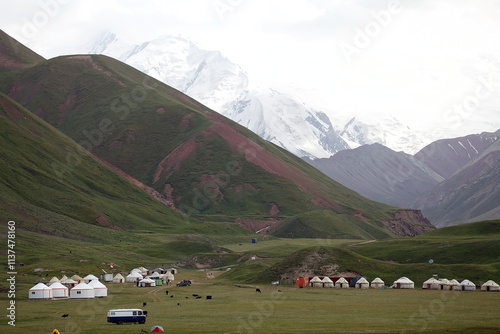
361, 283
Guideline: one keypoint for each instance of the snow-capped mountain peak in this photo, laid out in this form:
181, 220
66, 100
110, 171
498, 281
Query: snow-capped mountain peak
223, 86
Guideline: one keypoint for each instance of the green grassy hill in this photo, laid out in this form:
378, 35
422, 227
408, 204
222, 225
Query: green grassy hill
467, 251
93, 214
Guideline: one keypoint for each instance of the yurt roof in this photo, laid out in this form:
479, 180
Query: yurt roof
76, 277
90, 277
316, 279
453, 282
444, 281
341, 280
40, 286
467, 283
378, 280
82, 286
118, 276
156, 274
69, 281
57, 285
403, 280
362, 280
135, 274
490, 283
327, 279
432, 280
54, 279
146, 280
97, 285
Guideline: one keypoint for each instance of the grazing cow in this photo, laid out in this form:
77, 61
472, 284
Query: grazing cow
195, 295
65, 315
198, 297
178, 304
172, 296
258, 290
144, 304
166, 293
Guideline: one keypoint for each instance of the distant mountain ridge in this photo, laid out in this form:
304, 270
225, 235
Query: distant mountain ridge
451, 180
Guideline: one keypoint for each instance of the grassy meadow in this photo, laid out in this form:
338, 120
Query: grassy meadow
239, 308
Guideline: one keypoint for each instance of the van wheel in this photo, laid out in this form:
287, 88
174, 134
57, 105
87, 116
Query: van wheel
119, 323
142, 322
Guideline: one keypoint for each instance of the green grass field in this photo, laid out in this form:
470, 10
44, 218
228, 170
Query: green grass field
240, 309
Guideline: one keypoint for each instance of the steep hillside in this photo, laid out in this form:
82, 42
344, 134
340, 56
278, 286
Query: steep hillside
446, 156
72, 212
471, 194
14, 55
44, 169
379, 173
197, 160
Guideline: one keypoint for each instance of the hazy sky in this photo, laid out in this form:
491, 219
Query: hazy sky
422, 61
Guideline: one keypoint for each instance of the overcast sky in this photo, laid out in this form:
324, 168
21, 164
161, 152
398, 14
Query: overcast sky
427, 62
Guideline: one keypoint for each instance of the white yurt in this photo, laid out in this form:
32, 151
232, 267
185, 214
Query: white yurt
118, 278
327, 282
490, 286
454, 285
146, 283
40, 291
377, 283
467, 285
316, 282
342, 283
90, 278
431, 284
100, 290
82, 291
404, 283
59, 290
133, 277
362, 283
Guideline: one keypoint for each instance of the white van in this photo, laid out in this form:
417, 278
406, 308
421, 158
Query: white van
122, 315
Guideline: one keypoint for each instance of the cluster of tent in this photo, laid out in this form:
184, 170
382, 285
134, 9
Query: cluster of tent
401, 283
434, 283
143, 278
74, 287
339, 282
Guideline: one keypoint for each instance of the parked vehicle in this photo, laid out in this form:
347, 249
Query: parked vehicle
184, 283
120, 316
